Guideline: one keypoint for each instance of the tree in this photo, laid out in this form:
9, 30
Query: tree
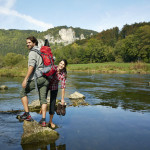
143, 36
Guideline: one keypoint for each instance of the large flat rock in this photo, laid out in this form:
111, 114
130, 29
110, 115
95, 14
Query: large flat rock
34, 133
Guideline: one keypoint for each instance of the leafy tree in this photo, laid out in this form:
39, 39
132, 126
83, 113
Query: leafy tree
109, 37
143, 36
131, 29
1, 61
126, 49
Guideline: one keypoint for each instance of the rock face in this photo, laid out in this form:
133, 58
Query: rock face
65, 36
34, 133
3, 87
76, 95
82, 36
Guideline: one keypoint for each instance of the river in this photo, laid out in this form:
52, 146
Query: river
117, 118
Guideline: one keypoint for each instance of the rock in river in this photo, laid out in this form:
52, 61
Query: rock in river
35, 105
3, 87
76, 95
34, 133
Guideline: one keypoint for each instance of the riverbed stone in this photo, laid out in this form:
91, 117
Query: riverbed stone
3, 87
35, 104
76, 95
78, 102
34, 133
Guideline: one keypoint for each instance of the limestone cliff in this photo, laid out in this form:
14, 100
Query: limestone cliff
64, 35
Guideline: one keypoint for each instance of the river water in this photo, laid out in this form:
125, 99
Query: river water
118, 117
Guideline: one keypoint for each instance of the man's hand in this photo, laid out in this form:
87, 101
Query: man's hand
30, 70
24, 83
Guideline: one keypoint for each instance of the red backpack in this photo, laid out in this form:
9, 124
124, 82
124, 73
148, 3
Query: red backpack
48, 61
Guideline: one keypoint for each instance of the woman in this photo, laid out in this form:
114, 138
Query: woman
60, 75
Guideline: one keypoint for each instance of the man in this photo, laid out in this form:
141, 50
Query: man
35, 64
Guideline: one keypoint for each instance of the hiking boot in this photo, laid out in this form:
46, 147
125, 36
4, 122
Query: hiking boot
58, 108
42, 123
63, 110
26, 117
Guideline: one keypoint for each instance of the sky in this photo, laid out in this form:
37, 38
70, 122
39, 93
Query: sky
97, 15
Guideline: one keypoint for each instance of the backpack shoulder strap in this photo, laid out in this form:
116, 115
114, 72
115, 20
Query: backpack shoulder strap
37, 51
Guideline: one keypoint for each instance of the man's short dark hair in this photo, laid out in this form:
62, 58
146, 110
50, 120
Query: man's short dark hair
33, 39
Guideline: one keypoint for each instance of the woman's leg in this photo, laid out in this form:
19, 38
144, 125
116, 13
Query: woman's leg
53, 96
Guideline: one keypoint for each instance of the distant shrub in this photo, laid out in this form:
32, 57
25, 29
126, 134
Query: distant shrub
11, 59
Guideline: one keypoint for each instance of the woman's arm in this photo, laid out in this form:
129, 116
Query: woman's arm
62, 96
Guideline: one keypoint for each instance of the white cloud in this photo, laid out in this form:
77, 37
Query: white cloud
9, 3
6, 9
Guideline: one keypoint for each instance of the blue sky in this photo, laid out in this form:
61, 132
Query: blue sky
95, 15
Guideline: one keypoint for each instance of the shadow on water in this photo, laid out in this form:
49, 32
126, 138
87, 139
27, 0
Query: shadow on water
41, 146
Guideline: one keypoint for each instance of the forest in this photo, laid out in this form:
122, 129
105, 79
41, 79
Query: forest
131, 44
14, 41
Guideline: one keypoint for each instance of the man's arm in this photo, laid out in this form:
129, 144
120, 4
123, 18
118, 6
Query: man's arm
30, 70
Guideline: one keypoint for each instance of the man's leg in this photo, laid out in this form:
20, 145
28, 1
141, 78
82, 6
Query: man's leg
42, 86
44, 107
25, 103
30, 86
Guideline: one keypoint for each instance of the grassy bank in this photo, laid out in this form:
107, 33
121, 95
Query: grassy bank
111, 67
13, 72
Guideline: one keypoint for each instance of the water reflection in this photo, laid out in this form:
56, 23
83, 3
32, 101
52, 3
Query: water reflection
128, 91
41, 146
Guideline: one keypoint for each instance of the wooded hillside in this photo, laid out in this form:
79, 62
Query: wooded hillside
131, 44
14, 41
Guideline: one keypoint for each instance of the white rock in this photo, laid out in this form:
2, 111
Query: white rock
65, 36
40, 42
82, 37
3, 87
76, 95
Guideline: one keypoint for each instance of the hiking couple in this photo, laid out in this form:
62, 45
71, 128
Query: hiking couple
44, 84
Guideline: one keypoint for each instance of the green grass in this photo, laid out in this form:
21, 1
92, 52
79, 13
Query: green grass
13, 72
110, 67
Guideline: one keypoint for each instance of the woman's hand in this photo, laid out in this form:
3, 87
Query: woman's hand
62, 102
